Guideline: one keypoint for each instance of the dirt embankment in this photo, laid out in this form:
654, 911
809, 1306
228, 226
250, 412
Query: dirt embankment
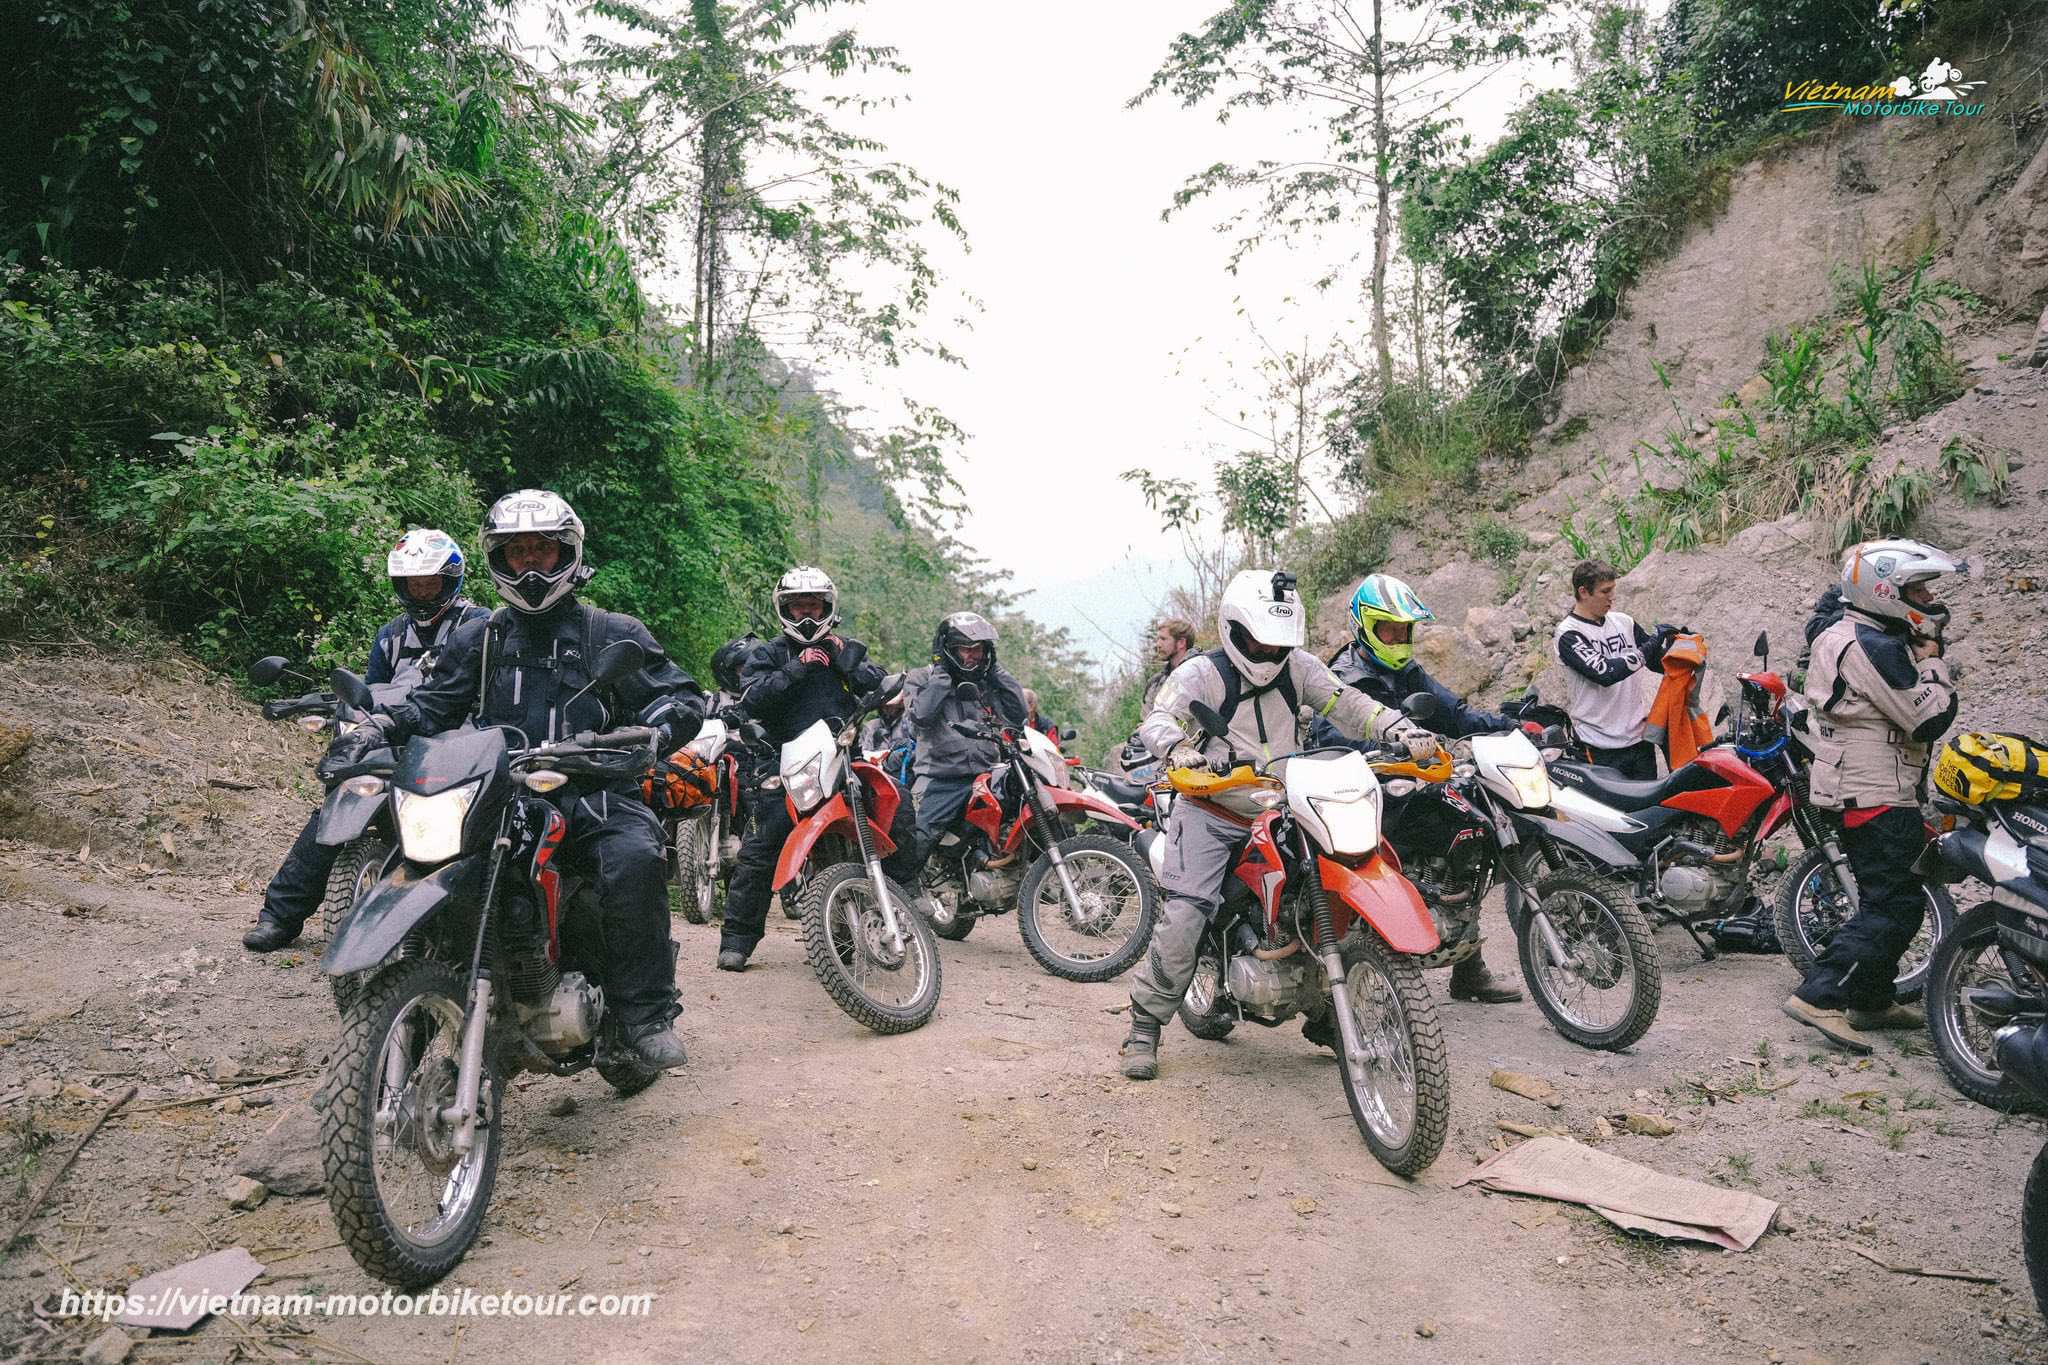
1970, 194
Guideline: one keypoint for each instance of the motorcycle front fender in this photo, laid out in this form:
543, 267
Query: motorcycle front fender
1597, 844
1098, 807
1387, 901
405, 899
833, 815
344, 816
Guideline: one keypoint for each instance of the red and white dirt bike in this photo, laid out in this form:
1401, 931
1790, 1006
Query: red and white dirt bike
1317, 919
876, 958
1085, 901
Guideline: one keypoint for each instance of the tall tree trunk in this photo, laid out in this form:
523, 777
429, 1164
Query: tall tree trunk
1420, 318
1301, 378
1383, 223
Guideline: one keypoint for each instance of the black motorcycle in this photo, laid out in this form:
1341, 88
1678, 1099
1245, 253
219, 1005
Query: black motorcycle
1977, 980
2009, 849
479, 956
353, 816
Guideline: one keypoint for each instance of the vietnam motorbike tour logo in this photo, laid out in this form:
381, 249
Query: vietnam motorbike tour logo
1937, 91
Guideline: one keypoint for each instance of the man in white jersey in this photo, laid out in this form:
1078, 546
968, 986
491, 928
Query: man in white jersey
1612, 671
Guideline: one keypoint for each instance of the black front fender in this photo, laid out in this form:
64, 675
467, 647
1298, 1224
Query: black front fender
1597, 844
408, 897
344, 817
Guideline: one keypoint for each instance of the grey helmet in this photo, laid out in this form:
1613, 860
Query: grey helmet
806, 580
536, 511
1876, 574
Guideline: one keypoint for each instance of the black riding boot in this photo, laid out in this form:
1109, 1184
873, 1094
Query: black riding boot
1473, 980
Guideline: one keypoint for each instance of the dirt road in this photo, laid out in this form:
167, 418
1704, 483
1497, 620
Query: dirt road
988, 1188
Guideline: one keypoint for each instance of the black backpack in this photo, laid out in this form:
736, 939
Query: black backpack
1234, 690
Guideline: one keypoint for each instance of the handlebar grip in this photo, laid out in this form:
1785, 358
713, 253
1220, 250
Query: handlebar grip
623, 738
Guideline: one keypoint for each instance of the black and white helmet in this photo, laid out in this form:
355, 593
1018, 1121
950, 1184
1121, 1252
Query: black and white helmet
534, 511
805, 580
960, 629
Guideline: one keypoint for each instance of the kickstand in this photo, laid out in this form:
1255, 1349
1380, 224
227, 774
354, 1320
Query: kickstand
1707, 950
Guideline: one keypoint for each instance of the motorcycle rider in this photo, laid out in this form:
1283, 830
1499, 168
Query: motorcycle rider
524, 667
426, 570
963, 652
1380, 662
1256, 681
1609, 673
807, 673
1881, 697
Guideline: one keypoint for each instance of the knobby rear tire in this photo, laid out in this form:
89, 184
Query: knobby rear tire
1970, 1069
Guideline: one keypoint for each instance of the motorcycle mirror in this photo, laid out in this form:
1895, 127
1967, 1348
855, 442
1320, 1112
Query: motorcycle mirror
267, 670
1763, 644
1068, 734
352, 690
1205, 716
1421, 706
617, 659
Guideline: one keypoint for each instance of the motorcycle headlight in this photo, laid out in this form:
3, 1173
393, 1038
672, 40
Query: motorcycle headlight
430, 827
1354, 825
364, 786
806, 786
1532, 786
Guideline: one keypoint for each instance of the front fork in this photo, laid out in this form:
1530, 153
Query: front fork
1327, 951
1049, 821
892, 919
469, 1075
1514, 867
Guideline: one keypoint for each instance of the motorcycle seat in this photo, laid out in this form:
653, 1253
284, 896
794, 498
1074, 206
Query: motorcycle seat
1122, 793
1609, 787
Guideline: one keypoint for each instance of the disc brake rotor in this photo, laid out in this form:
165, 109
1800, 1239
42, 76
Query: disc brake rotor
871, 934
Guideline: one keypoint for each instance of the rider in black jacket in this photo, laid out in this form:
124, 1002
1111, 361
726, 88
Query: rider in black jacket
804, 675
522, 668
1380, 662
426, 571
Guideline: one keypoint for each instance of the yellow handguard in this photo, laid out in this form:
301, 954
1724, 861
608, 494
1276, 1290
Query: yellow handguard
1196, 782
1438, 769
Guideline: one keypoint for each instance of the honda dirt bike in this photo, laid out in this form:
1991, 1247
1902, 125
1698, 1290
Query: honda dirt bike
700, 853
2009, 849
1688, 843
480, 956
1145, 805
357, 824
1317, 919
1467, 819
1977, 981
1085, 901
874, 955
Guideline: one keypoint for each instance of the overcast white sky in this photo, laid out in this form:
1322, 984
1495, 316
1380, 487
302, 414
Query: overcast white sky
1105, 331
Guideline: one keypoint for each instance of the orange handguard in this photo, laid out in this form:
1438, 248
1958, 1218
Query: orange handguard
1438, 769
1193, 782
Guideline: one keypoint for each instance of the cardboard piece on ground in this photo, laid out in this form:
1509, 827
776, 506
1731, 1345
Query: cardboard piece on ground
180, 1293
1626, 1194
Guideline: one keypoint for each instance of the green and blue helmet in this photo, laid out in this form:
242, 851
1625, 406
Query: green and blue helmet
1383, 597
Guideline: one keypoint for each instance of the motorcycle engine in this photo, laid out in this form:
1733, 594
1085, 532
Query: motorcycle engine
567, 1019
1272, 990
523, 931
993, 888
1687, 888
1447, 890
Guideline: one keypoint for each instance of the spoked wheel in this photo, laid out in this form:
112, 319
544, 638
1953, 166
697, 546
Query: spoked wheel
1967, 959
887, 987
356, 870
1109, 923
406, 1202
1605, 991
688, 861
1398, 1082
1813, 905
1203, 1010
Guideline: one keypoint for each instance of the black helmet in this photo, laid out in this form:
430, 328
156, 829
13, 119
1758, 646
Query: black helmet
960, 629
727, 659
